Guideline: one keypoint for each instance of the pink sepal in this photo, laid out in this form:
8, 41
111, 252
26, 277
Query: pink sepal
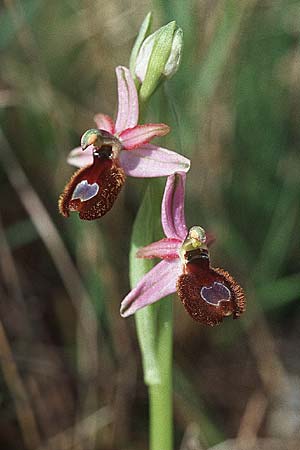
128, 106
151, 161
156, 284
142, 134
172, 209
81, 158
165, 249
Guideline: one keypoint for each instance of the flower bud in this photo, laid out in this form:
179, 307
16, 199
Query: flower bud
173, 62
158, 57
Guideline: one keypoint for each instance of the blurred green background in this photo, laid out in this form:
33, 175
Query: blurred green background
71, 373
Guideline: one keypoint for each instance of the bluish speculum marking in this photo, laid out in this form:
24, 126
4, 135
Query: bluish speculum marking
215, 294
85, 191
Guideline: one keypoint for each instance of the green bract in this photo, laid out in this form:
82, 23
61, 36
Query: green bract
143, 33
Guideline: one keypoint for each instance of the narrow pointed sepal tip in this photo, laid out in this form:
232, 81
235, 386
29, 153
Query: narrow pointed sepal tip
159, 282
124, 313
132, 138
151, 161
167, 248
128, 110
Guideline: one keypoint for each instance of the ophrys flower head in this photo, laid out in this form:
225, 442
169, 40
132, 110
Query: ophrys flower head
208, 294
113, 150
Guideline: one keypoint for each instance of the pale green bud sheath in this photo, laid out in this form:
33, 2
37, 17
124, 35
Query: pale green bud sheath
144, 55
173, 62
142, 35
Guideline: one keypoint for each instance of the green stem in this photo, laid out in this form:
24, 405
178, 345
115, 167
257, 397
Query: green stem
160, 395
154, 325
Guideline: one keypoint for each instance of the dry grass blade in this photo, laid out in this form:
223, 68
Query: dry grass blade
16, 386
58, 252
252, 420
271, 370
65, 439
262, 444
191, 438
52, 240
9, 270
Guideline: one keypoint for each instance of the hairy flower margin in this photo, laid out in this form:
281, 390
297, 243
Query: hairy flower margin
113, 150
208, 294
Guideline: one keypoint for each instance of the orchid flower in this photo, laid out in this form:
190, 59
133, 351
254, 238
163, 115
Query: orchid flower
113, 150
208, 294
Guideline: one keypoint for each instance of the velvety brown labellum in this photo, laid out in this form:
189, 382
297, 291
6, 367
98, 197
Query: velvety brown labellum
209, 294
104, 178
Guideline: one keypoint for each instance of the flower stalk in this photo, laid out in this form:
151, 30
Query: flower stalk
146, 319
154, 326
161, 395
155, 323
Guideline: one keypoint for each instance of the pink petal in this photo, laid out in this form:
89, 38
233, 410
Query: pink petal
142, 134
104, 122
156, 284
81, 158
149, 161
165, 248
172, 208
128, 106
